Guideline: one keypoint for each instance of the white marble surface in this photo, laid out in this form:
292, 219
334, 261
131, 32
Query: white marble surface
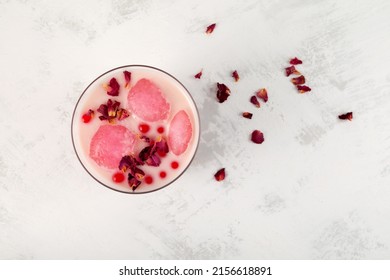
317, 188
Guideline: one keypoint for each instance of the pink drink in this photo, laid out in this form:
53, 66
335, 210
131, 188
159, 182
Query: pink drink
155, 101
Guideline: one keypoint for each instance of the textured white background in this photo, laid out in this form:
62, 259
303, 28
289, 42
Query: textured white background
317, 188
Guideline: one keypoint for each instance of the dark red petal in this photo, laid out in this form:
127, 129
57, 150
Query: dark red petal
144, 154
153, 160
127, 78
295, 61
247, 115
197, 76
138, 173
113, 87
257, 137
133, 182
298, 80
220, 175
235, 75
161, 146
127, 162
263, 94
210, 28
303, 89
254, 101
346, 116
291, 70
223, 92
112, 107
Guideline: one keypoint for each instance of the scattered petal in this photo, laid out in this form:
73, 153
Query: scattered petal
112, 108
223, 92
197, 76
220, 175
303, 89
291, 70
346, 116
133, 182
127, 162
122, 114
247, 115
295, 61
210, 28
257, 137
263, 94
298, 80
161, 146
145, 153
235, 75
254, 101
127, 78
153, 160
112, 88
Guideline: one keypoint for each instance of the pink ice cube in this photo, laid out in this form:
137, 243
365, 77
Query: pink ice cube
147, 101
180, 133
110, 143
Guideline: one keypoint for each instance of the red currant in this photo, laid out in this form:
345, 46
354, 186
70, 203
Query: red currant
174, 164
143, 127
148, 180
118, 177
163, 174
160, 130
86, 118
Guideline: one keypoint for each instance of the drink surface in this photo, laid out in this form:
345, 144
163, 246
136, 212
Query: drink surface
159, 107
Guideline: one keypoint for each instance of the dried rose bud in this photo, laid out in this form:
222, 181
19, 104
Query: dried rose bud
257, 137
263, 94
295, 61
112, 88
223, 92
291, 70
303, 89
298, 80
220, 175
122, 114
235, 75
210, 28
254, 101
197, 76
247, 115
127, 75
346, 116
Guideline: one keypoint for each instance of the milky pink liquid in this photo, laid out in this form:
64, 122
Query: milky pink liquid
95, 95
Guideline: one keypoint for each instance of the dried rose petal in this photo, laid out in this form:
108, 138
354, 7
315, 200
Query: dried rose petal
153, 160
138, 173
127, 78
197, 76
291, 70
210, 28
257, 137
263, 94
295, 61
144, 138
346, 116
247, 115
112, 88
112, 107
298, 80
122, 114
145, 153
127, 162
133, 182
223, 92
254, 101
235, 75
220, 175
161, 146
303, 89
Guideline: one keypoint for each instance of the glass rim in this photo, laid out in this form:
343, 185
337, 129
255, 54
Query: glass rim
197, 117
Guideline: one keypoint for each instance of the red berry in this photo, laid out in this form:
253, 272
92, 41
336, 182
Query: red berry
174, 164
148, 180
143, 127
118, 177
163, 174
86, 118
160, 130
